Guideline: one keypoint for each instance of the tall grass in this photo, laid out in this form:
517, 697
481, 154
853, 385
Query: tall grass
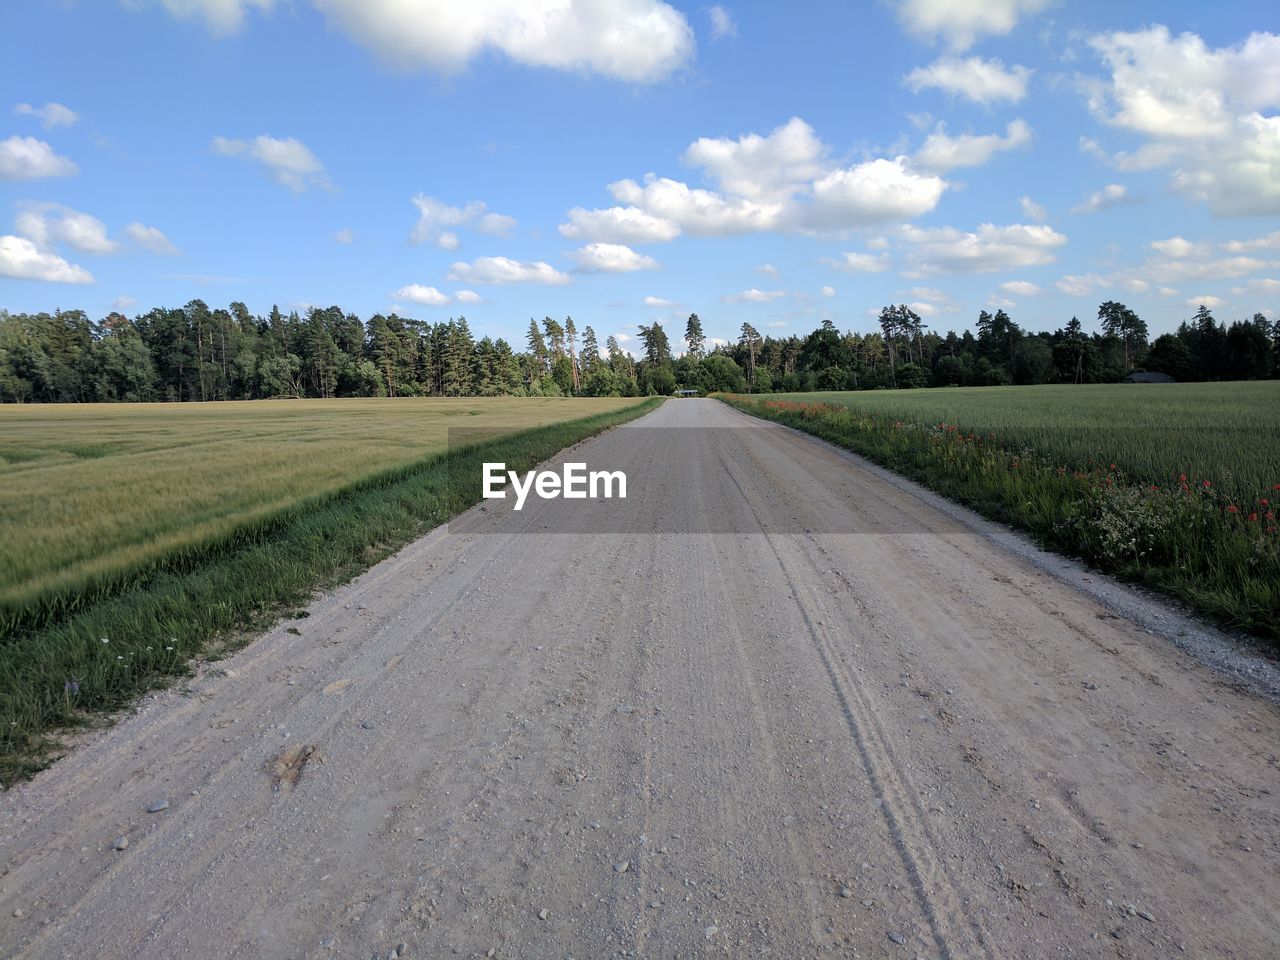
101, 656
1213, 543
96, 496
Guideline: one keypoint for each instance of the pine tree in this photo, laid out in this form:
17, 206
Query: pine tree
694, 339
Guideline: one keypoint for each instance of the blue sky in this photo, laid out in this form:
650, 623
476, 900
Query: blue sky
622, 161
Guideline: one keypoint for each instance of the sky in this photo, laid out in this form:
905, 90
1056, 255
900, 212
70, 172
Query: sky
626, 161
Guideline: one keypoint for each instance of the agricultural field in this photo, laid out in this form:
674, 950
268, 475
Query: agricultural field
94, 492
1227, 433
1172, 485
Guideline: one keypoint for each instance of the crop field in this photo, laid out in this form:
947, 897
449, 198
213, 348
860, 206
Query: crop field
95, 492
1171, 485
1227, 433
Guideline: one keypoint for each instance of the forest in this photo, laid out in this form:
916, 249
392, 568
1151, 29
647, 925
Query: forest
196, 353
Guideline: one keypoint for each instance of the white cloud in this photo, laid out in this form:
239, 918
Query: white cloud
288, 162
124, 302
762, 168
150, 238
877, 191
417, 293
1226, 268
660, 303
1021, 288
979, 80
618, 225
961, 22
988, 249
635, 40
1269, 242
611, 258
1080, 285
499, 271
768, 270
781, 182
434, 216
1177, 248
755, 296
1203, 110
46, 224
51, 114
344, 235
22, 260
1111, 196
1213, 303
468, 296
26, 158
828, 292
1032, 210
722, 24
860, 262
221, 16
697, 211
940, 152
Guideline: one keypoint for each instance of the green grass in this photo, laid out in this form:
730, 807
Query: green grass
1172, 486
1227, 433
97, 495
61, 673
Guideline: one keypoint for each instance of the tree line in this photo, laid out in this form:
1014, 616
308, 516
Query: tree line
198, 353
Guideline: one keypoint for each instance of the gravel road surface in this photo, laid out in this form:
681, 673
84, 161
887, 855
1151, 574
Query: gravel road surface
784, 708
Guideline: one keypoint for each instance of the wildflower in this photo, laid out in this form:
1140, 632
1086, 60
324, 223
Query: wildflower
105, 640
1253, 517
1206, 484
1264, 502
1112, 467
1276, 487
1233, 509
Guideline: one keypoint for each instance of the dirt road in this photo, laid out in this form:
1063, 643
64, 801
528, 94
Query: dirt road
786, 709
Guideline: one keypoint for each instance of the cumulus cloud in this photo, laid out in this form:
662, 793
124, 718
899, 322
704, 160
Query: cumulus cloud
46, 224
755, 296
150, 238
768, 270
611, 258
344, 235
961, 23
1080, 285
50, 115
1177, 247
1111, 196
26, 158
988, 249
1213, 303
828, 292
634, 40
20, 259
417, 293
722, 24
860, 262
976, 79
618, 225
1022, 288
941, 152
499, 271
287, 161
124, 302
1209, 114
468, 296
1032, 210
435, 216
784, 181
660, 303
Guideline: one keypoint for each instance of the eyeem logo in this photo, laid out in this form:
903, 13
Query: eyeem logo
574, 483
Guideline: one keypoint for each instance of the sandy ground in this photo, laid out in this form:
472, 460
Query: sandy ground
787, 708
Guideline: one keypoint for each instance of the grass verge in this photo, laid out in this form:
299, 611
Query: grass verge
1213, 551
102, 657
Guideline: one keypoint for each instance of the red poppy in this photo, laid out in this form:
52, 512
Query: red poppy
1253, 517
1233, 509
1207, 483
